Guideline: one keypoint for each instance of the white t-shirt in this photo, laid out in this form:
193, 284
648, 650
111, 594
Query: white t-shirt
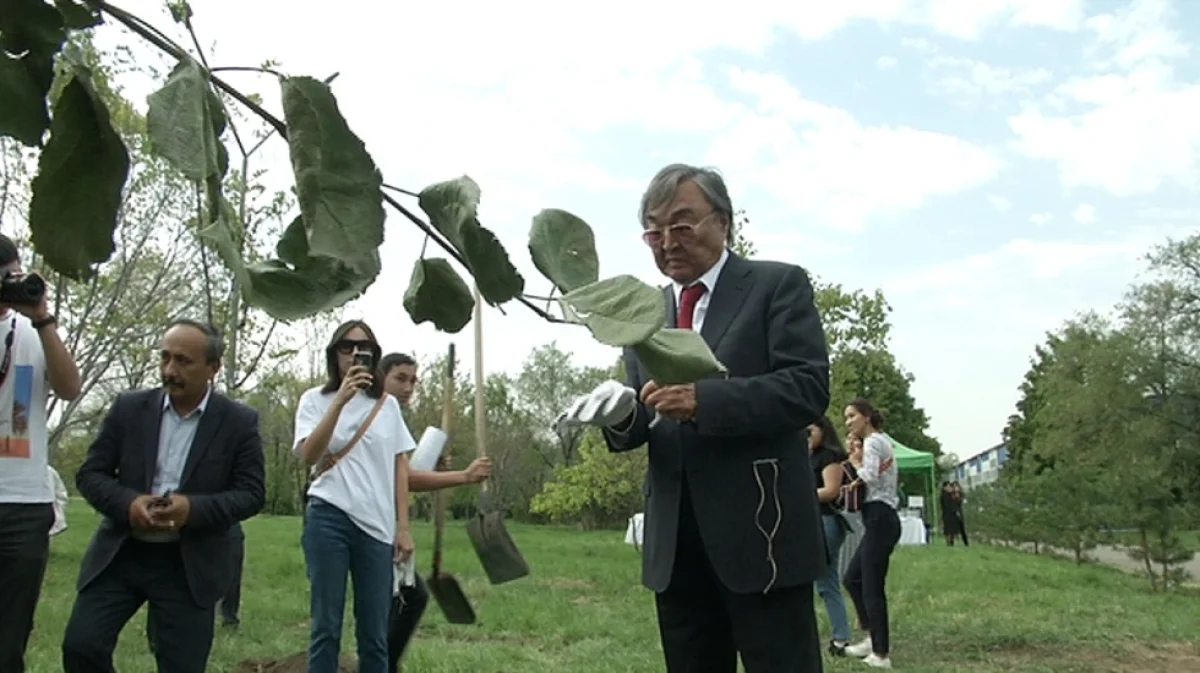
363, 483
23, 396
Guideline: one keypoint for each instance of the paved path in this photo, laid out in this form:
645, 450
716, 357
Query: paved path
1117, 557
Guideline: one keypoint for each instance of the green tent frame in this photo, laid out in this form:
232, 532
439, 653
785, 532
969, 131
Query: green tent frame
911, 460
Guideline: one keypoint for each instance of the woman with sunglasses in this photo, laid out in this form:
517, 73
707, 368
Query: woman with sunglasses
356, 523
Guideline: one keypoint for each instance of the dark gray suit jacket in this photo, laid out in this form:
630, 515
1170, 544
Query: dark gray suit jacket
223, 479
762, 323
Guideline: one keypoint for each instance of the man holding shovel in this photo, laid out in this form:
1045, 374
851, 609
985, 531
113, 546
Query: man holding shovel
399, 373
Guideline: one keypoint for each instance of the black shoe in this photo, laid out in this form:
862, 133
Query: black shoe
837, 649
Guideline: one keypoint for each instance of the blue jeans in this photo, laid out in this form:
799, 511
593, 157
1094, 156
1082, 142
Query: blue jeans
830, 586
333, 548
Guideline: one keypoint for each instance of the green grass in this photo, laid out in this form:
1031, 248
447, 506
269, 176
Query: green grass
584, 610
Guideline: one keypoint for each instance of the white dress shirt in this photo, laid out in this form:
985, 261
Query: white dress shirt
709, 281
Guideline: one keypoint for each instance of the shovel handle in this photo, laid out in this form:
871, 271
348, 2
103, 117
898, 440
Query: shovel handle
480, 388
439, 496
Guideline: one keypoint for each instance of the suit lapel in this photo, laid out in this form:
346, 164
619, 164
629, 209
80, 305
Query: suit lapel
672, 311
726, 300
210, 422
153, 419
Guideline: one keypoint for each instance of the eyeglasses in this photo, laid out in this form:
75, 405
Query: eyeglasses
683, 231
348, 346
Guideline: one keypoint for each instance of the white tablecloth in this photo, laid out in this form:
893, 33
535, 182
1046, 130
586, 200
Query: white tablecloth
633, 532
912, 530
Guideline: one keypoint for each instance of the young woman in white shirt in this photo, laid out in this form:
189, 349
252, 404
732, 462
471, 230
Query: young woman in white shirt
866, 576
356, 522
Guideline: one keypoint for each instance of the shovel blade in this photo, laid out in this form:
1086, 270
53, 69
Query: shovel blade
497, 552
451, 599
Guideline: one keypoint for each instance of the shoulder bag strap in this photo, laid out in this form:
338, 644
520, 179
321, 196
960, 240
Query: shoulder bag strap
326, 464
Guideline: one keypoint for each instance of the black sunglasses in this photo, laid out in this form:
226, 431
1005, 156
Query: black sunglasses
348, 346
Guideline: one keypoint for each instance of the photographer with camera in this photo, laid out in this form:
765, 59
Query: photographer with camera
356, 523
34, 363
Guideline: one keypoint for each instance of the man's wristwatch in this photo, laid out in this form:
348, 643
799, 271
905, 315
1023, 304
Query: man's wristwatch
45, 322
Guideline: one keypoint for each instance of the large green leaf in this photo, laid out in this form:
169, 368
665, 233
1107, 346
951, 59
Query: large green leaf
23, 115
78, 16
677, 356
452, 207
180, 124
292, 247
437, 294
338, 185
31, 25
295, 286
563, 248
31, 34
78, 188
619, 311
289, 293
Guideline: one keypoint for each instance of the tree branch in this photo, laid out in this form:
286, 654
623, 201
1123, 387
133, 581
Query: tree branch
153, 36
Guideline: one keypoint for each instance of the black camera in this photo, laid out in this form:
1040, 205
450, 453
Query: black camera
23, 290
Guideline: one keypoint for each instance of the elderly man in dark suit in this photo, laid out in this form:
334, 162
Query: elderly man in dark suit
733, 539
172, 471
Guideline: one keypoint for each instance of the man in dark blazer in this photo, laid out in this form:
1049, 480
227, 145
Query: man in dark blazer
733, 539
172, 471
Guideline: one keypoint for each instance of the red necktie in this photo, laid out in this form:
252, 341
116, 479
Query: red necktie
687, 305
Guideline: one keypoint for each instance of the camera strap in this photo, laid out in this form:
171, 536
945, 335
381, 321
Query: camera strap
8, 348
329, 460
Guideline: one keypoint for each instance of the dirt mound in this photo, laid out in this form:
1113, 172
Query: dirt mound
297, 663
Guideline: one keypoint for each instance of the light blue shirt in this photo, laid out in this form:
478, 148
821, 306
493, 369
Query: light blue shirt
176, 434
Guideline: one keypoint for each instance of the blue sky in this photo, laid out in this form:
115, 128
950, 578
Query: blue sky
994, 165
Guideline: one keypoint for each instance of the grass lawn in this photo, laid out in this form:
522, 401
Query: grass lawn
584, 610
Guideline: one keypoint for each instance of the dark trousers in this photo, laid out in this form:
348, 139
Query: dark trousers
866, 576
24, 551
962, 530
334, 548
704, 626
407, 609
232, 602
140, 573
229, 604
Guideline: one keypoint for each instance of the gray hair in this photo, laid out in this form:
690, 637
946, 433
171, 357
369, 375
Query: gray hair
664, 185
214, 348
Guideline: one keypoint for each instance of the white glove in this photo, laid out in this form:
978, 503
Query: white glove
609, 404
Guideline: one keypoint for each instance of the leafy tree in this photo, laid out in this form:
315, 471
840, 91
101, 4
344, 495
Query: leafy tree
875, 375
1018, 432
603, 490
853, 320
742, 245
547, 381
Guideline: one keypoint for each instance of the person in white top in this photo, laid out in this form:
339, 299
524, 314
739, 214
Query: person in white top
866, 576
60, 500
353, 434
33, 363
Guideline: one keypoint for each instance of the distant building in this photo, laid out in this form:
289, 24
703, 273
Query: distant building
981, 469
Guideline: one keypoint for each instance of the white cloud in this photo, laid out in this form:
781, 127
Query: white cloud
1084, 213
1131, 128
976, 79
1041, 219
1000, 203
886, 62
822, 162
